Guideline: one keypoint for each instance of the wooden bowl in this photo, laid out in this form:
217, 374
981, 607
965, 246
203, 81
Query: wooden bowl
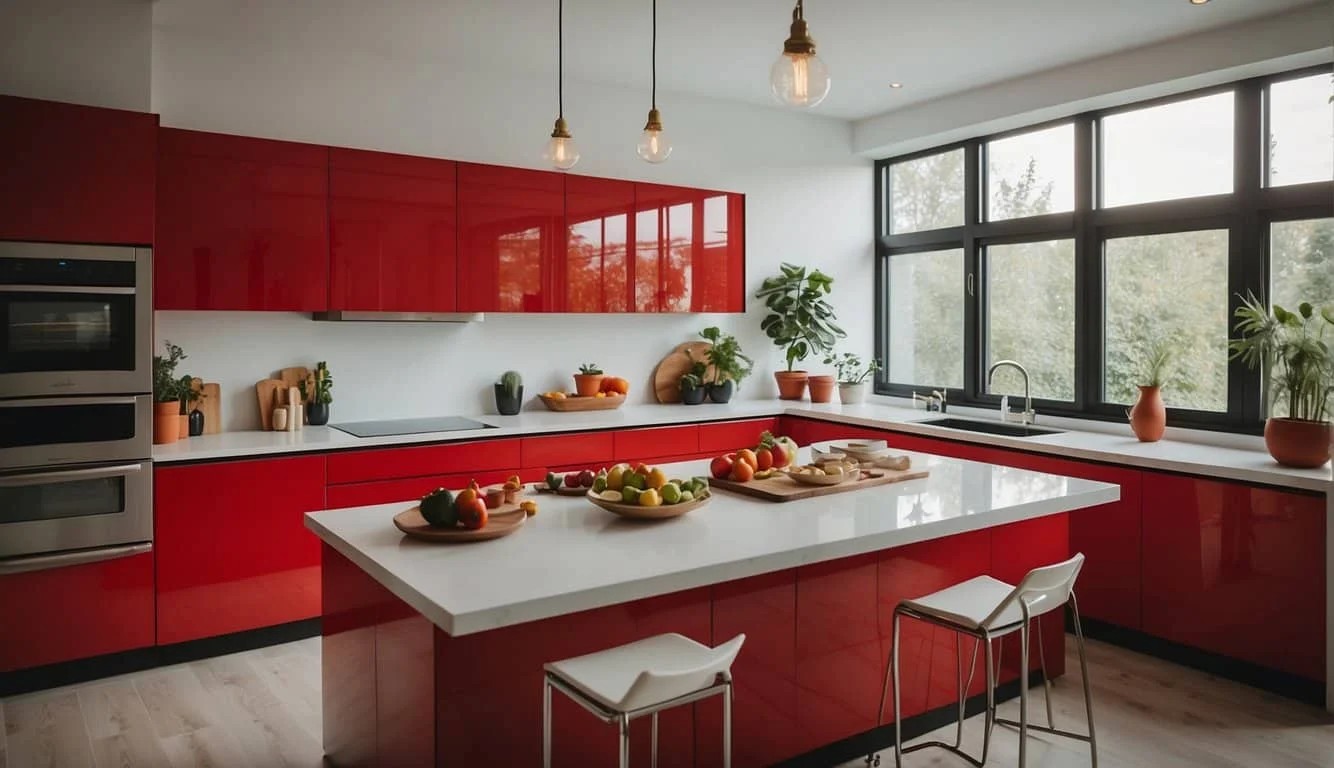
636, 512
501, 522
577, 403
847, 476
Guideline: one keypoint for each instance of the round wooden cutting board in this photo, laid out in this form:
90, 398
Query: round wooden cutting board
501, 521
667, 376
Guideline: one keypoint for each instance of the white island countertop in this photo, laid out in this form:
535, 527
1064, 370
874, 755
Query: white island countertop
574, 556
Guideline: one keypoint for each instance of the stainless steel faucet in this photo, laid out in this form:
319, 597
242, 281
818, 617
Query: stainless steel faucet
1027, 416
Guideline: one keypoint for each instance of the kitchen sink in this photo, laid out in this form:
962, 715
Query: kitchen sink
991, 427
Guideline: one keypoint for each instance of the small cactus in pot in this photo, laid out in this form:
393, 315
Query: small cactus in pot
509, 393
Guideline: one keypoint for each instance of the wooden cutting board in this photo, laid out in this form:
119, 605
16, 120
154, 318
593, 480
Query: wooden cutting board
210, 403
667, 375
267, 392
781, 488
500, 522
292, 377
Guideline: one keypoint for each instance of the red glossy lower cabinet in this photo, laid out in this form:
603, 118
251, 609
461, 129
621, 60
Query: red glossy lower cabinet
641, 444
724, 436
582, 449
62, 614
233, 552
1237, 570
413, 488
1016, 549
423, 460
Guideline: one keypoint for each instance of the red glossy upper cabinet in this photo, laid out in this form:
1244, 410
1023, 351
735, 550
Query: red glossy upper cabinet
241, 224
76, 174
596, 271
511, 224
720, 267
392, 232
666, 247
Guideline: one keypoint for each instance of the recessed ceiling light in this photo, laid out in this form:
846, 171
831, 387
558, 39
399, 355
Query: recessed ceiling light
896, 85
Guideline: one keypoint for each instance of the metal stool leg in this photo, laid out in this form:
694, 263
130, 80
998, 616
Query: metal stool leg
1023, 692
727, 726
1084, 671
991, 702
623, 725
1046, 681
898, 709
546, 722
655, 740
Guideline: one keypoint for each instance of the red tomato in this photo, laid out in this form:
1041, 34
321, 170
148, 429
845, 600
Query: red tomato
472, 513
764, 459
721, 467
742, 472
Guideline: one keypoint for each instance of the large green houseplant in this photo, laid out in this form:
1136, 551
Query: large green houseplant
1297, 368
800, 322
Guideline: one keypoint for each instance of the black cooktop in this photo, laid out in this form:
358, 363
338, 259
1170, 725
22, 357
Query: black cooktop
410, 426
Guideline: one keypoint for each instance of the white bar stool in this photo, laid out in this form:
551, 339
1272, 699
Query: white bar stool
643, 678
987, 609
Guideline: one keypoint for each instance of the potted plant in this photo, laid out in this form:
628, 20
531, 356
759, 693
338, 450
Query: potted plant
852, 376
693, 388
167, 395
800, 321
509, 393
1148, 417
730, 366
317, 412
1296, 368
588, 381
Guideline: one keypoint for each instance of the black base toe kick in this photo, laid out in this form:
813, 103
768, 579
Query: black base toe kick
83, 670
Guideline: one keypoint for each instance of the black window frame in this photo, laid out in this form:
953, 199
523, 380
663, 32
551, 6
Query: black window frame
1246, 213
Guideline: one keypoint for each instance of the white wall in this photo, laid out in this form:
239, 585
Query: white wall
809, 201
83, 51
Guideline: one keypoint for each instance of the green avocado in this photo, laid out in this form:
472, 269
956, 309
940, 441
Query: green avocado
553, 480
438, 509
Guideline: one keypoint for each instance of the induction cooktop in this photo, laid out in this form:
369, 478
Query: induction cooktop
410, 426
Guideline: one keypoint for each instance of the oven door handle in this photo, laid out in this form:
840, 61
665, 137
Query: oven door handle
63, 559
76, 400
72, 289
70, 475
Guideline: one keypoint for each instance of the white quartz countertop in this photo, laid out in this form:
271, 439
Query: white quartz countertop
1227, 457
574, 556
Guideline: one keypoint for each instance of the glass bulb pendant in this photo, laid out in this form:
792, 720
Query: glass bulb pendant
654, 146
560, 150
799, 78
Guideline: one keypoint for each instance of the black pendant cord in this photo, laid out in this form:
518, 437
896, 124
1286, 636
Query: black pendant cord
653, 66
560, 58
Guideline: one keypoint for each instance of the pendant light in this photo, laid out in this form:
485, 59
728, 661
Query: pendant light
560, 150
799, 78
654, 147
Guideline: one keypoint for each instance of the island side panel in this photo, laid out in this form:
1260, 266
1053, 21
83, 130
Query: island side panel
1016, 549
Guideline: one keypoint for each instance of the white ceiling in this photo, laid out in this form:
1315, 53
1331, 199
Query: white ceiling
723, 48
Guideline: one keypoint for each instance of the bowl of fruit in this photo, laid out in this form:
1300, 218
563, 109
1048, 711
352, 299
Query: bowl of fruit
646, 493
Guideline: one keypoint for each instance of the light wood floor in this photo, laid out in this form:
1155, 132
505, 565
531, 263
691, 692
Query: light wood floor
262, 708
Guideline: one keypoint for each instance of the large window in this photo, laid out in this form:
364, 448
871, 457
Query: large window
1080, 247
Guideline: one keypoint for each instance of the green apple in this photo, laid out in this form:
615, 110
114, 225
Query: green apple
687, 496
600, 483
671, 493
630, 494
634, 480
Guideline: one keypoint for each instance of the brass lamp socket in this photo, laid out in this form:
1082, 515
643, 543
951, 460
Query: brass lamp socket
654, 120
799, 41
561, 131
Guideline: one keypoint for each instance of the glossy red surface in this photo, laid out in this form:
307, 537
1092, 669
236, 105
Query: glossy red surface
840, 663
233, 552
583, 450
392, 232
404, 688
724, 436
642, 444
669, 234
511, 226
413, 488
351, 608
1016, 549
62, 614
76, 174
595, 276
1236, 570
720, 266
423, 461
242, 223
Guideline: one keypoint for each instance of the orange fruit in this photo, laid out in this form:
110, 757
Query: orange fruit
748, 456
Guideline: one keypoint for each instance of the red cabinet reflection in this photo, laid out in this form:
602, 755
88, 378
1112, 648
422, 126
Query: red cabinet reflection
511, 223
392, 221
596, 273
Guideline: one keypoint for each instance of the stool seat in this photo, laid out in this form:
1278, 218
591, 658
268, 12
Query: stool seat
607, 676
970, 603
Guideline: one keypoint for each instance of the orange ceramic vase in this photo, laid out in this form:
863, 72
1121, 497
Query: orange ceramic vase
1298, 442
1148, 418
166, 422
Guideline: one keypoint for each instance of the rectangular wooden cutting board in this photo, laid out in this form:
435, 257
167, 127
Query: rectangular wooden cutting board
780, 488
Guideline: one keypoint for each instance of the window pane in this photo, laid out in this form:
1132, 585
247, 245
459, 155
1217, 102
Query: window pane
926, 193
1031, 174
1182, 149
1168, 289
1301, 268
926, 318
1301, 131
1031, 317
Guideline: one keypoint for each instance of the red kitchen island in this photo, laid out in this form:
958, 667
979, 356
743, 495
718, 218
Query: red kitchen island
433, 653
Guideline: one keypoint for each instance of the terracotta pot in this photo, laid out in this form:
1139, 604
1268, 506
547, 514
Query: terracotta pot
1298, 442
166, 422
791, 384
587, 384
1148, 417
853, 394
822, 387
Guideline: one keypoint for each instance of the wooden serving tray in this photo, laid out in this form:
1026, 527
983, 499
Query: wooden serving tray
501, 521
782, 488
564, 490
636, 512
576, 403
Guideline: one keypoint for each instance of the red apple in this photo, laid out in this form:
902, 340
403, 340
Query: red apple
572, 480
586, 478
721, 467
780, 455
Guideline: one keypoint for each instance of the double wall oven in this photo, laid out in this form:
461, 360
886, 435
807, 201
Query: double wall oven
76, 335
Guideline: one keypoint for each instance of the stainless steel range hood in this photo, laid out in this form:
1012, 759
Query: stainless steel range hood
344, 316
